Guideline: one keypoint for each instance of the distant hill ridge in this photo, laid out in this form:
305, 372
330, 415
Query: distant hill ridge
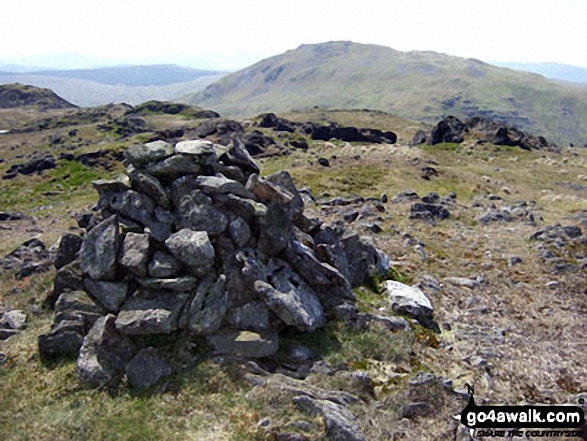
13, 96
425, 86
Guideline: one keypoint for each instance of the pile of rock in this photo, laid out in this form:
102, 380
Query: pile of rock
191, 242
564, 248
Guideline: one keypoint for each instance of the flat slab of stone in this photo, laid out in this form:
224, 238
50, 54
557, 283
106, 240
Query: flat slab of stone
245, 343
203, 151
141, 155
182, 284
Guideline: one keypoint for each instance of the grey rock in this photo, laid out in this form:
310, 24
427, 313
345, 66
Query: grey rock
163, 265
282, 290
143, 154
330, 285
252, 316
104, 354
245, 343
63, 340
203, 151
16, 319
111, 295
5, 334
239, 231
245, 208
276, 229
238, 155
100, 249
284, 180
407, 300
462, 281
151, 313
267, 191
146, 368
174, 167
341, 424
220, 185
357, 257
77, 301
195, 211
392, 323
192, 248
67, 278
134, 254
69, 245
182, 284
149, 185
134, 205
208, 306
111, 185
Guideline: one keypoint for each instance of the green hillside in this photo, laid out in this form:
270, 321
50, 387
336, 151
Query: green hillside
417, 85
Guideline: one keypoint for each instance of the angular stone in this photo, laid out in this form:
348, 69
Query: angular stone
141, 155
134, 205
203, 151
192, 248
276, 229
174, 167
245, 208
245, 343
407, 300
284, 180
111, 185
239, 231
330, 285
104, 354
68, 278
163, 265
182, 284
149, 185
196, 212
16, 319
69, 245
252, 316
221, 185
134, 254
238, 155
77, 301
208, 307
357, 258
100, 249
151, 313
111, 295
282, 290
267, 191
63, 340
147, 368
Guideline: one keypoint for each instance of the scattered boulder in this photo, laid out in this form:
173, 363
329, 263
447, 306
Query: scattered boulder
408, 300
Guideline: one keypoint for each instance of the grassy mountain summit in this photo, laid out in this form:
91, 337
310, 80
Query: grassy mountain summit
17, 95
419, 85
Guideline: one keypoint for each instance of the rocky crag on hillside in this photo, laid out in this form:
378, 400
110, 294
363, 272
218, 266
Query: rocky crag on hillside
453, 130
192, 243
16, 95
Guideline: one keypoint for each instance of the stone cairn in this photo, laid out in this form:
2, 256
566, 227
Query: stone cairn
192, 243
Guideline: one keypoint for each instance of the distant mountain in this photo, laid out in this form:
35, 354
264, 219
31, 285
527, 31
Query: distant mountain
128, 84
555, 71
425, 86
151, 75
13, 96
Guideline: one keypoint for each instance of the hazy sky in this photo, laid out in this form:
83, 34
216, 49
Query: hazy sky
227, 34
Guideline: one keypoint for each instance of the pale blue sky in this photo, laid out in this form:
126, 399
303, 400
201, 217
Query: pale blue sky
226, 34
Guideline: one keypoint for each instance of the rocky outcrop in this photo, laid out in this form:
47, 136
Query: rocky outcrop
192, 243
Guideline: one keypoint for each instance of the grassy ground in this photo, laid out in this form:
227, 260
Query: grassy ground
540, 359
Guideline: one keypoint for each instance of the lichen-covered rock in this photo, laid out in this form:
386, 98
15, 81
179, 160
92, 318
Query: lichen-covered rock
111, 295
134, 254
408, 300
143, 154
192, 248
208, 307
100, 249
104, 353
69, 246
